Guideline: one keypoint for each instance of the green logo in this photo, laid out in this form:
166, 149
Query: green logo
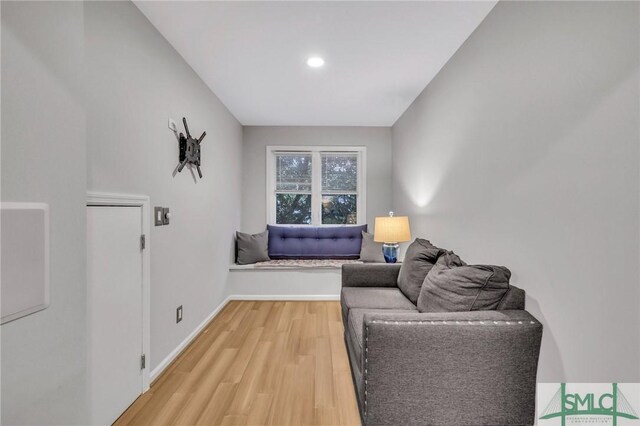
611, 404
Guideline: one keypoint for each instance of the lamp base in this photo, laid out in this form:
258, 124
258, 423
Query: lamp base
390, 252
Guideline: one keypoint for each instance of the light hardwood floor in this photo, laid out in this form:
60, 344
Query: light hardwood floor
257, 363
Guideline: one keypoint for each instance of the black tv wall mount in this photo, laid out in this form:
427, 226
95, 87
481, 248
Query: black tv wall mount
189, 149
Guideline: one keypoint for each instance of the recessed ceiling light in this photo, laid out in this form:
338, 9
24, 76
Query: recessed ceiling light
315, 62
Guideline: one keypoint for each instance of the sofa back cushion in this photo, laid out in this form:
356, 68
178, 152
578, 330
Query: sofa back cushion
315, 242
454, 287
420, 257
513, 300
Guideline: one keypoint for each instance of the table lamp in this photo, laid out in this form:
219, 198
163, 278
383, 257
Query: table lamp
391, 230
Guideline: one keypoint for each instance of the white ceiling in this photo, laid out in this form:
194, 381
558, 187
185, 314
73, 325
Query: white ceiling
378, 56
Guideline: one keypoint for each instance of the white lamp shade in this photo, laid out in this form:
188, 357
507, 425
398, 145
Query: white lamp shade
392, 229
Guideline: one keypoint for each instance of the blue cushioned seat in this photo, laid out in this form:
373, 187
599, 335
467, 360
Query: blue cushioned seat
315, 242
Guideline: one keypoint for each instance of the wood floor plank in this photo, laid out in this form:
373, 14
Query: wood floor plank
284, 321
268, 382
257, 363
234, 420
334, 312
260, 409
345, 394
308, 339
264, 309
246, 351
327, 416
240, 332
247, 388
206, 390
322, 320
339, 357
281, 410
170, 409
324, 392
216, 406
303, 406
204, 364
271, 321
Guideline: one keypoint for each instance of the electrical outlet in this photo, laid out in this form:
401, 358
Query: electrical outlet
179, 314
172, 125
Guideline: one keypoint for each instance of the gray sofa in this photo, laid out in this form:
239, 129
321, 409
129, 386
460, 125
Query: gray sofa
453, 368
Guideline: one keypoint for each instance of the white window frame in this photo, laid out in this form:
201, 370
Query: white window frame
316, 180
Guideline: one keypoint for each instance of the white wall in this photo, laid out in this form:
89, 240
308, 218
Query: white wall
524, 151
44, 159
287, 283
136, 82
257, 138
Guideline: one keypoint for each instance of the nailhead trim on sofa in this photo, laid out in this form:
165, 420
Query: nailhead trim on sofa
366, 340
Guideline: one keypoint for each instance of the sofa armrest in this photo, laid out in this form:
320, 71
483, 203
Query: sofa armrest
464, 368
370, 275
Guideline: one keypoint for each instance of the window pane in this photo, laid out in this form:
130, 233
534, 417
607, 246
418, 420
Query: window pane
293, 208
340, 172
293, 172
339, 209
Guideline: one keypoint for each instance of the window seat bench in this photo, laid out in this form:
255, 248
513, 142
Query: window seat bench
290, 279
309, 265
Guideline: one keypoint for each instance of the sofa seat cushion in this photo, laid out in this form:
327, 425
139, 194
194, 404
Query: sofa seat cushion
373, 298
354, 330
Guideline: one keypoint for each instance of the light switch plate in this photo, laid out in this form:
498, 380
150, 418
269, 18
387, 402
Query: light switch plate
166, 215
158, 216
179, 314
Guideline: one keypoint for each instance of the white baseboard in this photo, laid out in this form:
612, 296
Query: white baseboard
284, 297
155, 373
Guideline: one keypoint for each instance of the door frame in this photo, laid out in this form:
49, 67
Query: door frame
128, 200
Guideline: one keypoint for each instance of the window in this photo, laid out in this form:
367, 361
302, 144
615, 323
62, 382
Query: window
293, 188
315, 185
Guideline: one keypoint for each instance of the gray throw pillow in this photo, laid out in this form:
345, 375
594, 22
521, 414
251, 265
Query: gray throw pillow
420, 257
252, 248
452, 286
370, 250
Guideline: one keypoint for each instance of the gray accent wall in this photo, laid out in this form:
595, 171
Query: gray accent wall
377, 140
137, 81
524, 152
44, 160
87, 90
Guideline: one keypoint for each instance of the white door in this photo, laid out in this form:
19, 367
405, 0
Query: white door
114, 263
